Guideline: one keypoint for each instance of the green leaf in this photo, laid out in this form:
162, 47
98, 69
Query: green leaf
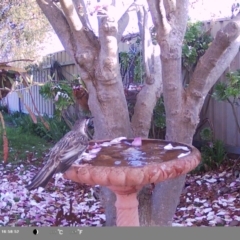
219, 93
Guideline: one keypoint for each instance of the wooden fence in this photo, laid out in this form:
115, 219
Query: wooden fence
69, 70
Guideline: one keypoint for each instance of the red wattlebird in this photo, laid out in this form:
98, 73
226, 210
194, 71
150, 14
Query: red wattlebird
64, 153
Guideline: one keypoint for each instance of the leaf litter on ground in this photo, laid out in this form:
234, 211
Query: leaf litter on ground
210, 199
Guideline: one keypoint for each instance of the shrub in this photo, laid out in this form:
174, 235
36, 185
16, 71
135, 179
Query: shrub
229, 91
58, 128
158, 126
4, 109
24, 123
213, 151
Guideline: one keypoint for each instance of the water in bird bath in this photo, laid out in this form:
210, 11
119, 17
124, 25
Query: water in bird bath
125, 154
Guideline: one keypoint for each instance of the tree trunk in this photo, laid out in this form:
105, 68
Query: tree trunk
141, 119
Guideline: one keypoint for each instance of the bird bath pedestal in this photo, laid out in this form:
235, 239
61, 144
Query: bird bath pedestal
125, 169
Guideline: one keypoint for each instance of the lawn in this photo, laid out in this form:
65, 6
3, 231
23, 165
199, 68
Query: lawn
24, 147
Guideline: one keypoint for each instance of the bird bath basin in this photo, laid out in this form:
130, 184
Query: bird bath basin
125, 169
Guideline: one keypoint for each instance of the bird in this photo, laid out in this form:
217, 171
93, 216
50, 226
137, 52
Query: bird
66, 151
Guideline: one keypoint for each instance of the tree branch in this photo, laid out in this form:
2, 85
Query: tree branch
155, 12
122, 24
58, 22
123, 17
164, 21
82, 34
148, 96
67, 35
171, 53
223, 43
107, 71
199, 87
146, 42
83, 13
123, 9
83, 16
159, 17
18, 60
71, 15
141, 24
181, 14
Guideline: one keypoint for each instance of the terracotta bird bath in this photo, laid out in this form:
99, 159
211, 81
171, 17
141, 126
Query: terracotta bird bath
125, 169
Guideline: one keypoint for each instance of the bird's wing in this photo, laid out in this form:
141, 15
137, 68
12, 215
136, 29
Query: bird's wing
69, 150
44, 175
61, 157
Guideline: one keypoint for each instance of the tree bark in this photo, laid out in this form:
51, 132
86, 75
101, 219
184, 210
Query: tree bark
150, 93
170, 22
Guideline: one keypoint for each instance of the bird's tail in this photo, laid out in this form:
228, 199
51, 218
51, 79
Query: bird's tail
42, 178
